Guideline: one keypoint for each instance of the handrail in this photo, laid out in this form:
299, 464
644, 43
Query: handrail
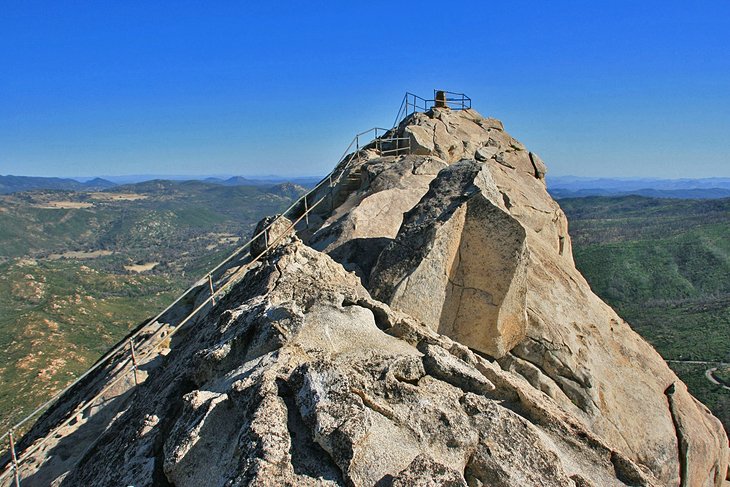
458, 101
332, 179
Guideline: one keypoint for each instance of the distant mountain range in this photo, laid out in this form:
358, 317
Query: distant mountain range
558, 186
15, 184
268, 181
576, 187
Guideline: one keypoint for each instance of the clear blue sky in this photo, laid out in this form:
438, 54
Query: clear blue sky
619, 88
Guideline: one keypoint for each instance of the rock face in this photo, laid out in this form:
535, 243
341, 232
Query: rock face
458, 263
516, 295
359, 229
430, 330
298, 377
278, 227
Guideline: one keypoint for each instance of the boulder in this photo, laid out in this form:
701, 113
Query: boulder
277, 229
458, 263
426, 472
483, 154
420, 138
357, 232
540, 167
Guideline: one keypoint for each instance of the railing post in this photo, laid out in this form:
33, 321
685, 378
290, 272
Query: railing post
306, 211
134, 361
332, 193
14, 458
266, 238
212, 292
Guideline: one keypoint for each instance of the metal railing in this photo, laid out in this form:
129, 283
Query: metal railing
384, 141
453, 100
386, 144
413, 103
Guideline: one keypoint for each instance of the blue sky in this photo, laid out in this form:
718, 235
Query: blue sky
625, 89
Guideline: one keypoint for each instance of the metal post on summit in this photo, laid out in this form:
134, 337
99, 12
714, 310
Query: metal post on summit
14, 459
440, 99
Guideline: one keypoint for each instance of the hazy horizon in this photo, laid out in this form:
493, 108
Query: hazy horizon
264, 177
319, 175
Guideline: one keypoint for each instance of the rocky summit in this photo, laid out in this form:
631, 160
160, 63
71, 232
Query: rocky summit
427, 327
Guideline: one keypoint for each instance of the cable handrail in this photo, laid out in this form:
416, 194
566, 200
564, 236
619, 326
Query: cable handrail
332, 179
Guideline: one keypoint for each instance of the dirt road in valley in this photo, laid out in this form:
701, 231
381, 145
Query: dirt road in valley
709, 373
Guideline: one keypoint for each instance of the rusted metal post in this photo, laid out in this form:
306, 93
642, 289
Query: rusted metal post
14, 457
212, 292
440, 99
134, 361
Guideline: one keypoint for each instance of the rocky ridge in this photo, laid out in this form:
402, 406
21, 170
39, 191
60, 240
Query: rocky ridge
429, 328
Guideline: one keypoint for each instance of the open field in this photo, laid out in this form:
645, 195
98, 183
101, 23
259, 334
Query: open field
65, 205
142, 267
113, 196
